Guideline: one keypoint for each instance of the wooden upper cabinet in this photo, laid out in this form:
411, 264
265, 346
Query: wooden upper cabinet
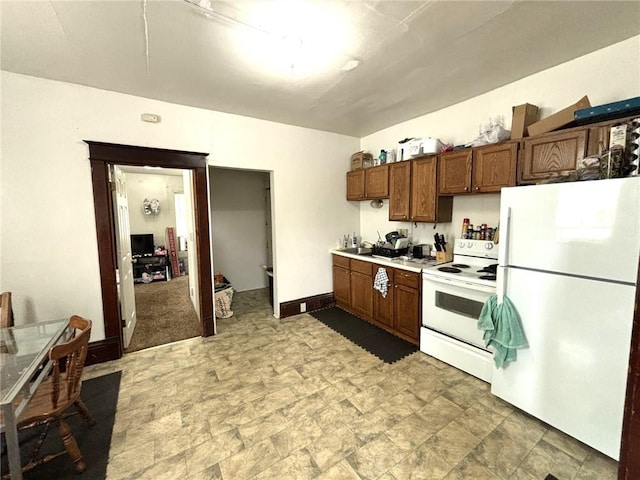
399, 190
454, 174
478, 170
494, 167
376, 182
355, 185
552, 154
423, 190
426, 206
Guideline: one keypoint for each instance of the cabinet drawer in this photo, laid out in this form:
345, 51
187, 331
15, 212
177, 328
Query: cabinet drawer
340, 261
408, 279
360, 266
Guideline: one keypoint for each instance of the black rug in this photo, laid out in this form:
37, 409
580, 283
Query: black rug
374, 340
100, 395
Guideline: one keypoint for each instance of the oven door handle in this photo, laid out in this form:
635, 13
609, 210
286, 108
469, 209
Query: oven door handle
458, 283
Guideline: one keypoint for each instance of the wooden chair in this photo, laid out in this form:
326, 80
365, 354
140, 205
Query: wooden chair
6, 311
57, 394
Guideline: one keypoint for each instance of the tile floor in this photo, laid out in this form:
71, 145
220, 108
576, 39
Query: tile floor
292, 399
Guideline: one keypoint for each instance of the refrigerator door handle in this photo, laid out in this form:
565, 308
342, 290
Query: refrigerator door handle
502, 280
506, 237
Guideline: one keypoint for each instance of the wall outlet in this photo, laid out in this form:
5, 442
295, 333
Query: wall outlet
303, 307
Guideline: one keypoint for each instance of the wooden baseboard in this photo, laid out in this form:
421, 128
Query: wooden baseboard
103, 351
317, 302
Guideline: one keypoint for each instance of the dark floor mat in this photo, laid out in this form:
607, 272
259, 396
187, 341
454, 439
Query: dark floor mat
374, 340
100, 395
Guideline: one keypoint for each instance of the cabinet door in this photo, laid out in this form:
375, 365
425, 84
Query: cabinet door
383, 306
423, 190
399, 190
455, 172
552, 155
355, 185
341, 286
407, 310
362, 295
376, 182
494, 167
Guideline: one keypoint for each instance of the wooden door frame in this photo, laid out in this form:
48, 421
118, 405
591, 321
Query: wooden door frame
629, 466
101, 155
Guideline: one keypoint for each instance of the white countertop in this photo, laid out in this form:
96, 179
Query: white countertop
413, 265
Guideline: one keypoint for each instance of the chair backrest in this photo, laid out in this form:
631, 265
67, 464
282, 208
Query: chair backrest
75, 352
6, 311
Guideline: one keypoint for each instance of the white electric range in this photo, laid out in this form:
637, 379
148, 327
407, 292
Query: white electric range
453, 295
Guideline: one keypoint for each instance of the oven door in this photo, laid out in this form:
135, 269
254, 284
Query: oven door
452, 307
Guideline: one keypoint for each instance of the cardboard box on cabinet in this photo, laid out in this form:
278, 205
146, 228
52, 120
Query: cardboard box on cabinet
360, 160
522, 116
558, 119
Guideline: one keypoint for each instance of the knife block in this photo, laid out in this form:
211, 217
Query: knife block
442, 257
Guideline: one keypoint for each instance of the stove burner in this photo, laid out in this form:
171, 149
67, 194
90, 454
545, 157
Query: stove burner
449, 269
487, 277
459, 265
490, 269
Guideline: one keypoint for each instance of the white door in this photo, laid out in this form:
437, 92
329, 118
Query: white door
126, 292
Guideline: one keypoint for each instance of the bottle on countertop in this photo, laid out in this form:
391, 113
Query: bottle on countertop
465, 228
354, 240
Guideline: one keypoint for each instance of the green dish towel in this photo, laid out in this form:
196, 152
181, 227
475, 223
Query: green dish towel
502, 329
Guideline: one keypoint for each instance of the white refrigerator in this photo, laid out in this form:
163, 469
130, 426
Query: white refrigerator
568, 259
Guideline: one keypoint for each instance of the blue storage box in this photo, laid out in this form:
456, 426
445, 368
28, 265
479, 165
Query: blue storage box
608, 111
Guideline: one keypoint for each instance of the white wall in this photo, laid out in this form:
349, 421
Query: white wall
142, 186
49, 255
238, 223
606, 75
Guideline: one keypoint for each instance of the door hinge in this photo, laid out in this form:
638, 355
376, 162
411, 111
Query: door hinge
123, 322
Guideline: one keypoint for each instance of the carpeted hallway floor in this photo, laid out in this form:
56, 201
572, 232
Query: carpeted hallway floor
165, 314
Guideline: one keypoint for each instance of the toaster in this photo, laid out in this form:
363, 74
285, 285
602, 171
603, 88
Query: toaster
422, 251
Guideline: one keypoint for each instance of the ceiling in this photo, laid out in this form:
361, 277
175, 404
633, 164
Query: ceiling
415, 57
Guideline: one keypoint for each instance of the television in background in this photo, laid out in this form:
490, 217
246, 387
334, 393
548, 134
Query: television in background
142, 244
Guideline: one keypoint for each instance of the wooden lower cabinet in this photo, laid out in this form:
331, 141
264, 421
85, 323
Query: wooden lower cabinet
398, 312
407, 304
362, 295
407, 311
342, 286
383, 306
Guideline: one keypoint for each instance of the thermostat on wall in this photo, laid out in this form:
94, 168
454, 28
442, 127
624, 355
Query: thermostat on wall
150, 117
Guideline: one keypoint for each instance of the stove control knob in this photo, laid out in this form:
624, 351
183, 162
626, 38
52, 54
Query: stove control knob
461, 244
469, 244
488, 245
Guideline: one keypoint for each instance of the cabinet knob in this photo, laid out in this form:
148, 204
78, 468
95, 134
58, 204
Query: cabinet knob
466, 189
477, 188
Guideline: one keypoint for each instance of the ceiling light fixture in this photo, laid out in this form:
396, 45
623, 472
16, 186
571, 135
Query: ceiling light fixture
289, 36
350, 65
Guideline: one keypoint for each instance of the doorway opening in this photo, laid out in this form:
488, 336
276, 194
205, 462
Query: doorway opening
157, 294
242, 234
102, 156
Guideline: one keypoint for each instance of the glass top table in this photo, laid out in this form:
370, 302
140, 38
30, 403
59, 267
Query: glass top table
24, 364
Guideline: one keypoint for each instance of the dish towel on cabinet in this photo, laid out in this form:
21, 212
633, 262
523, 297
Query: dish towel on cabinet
381, 282
502, 329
